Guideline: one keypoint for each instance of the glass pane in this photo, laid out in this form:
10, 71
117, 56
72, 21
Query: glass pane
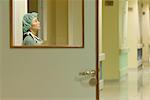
47, 23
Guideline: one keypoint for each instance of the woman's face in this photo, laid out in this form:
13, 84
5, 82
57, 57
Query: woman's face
35, 24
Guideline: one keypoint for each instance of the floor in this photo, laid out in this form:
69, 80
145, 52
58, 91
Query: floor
136, 86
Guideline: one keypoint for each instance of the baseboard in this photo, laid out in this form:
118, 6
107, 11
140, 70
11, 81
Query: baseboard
101, 56
124, 50
123, 73
101, 84
133, 68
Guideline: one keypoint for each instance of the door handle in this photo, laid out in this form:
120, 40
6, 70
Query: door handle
88, 73
88, 76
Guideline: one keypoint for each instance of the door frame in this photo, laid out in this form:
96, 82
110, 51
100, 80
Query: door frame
97, 48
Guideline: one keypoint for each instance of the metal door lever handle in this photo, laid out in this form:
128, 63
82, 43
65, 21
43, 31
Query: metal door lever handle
87, 73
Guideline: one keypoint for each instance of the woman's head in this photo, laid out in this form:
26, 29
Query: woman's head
30, 22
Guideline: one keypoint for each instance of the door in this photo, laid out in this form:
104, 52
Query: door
50, 74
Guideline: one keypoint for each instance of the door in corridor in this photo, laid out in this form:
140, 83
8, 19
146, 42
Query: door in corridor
52, 73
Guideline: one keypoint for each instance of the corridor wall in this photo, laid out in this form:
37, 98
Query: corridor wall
145, 24
110, 41
114, 39
101, 54
133, 31
123, 45
100, 26
20, 8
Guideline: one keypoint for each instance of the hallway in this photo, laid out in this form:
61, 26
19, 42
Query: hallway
125, 41
135, 87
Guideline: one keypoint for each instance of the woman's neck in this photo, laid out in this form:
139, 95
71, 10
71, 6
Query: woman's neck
34, 32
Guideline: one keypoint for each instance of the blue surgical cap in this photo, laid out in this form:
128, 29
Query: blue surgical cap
27, 20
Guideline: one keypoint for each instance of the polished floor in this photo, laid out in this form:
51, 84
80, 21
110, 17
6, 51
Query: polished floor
136, 86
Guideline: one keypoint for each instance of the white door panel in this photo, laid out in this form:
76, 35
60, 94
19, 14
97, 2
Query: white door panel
48, 74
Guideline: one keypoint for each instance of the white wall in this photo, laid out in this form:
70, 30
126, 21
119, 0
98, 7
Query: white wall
45, 21
140, 21
123, 24
61, 22
133, 31
100, 26
20, 8
75, 22
145, 31
110, 40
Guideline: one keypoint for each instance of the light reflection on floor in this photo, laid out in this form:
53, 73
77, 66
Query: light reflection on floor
135, 87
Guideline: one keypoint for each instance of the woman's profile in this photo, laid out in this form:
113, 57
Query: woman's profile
31, 26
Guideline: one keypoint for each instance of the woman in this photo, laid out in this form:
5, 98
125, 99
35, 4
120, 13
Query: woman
31, 26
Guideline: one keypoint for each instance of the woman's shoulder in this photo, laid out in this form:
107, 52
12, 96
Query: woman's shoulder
28, 40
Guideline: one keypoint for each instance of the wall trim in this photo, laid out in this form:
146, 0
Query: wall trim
102, 56
101, 84
140, 45
123, 73
124, 50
